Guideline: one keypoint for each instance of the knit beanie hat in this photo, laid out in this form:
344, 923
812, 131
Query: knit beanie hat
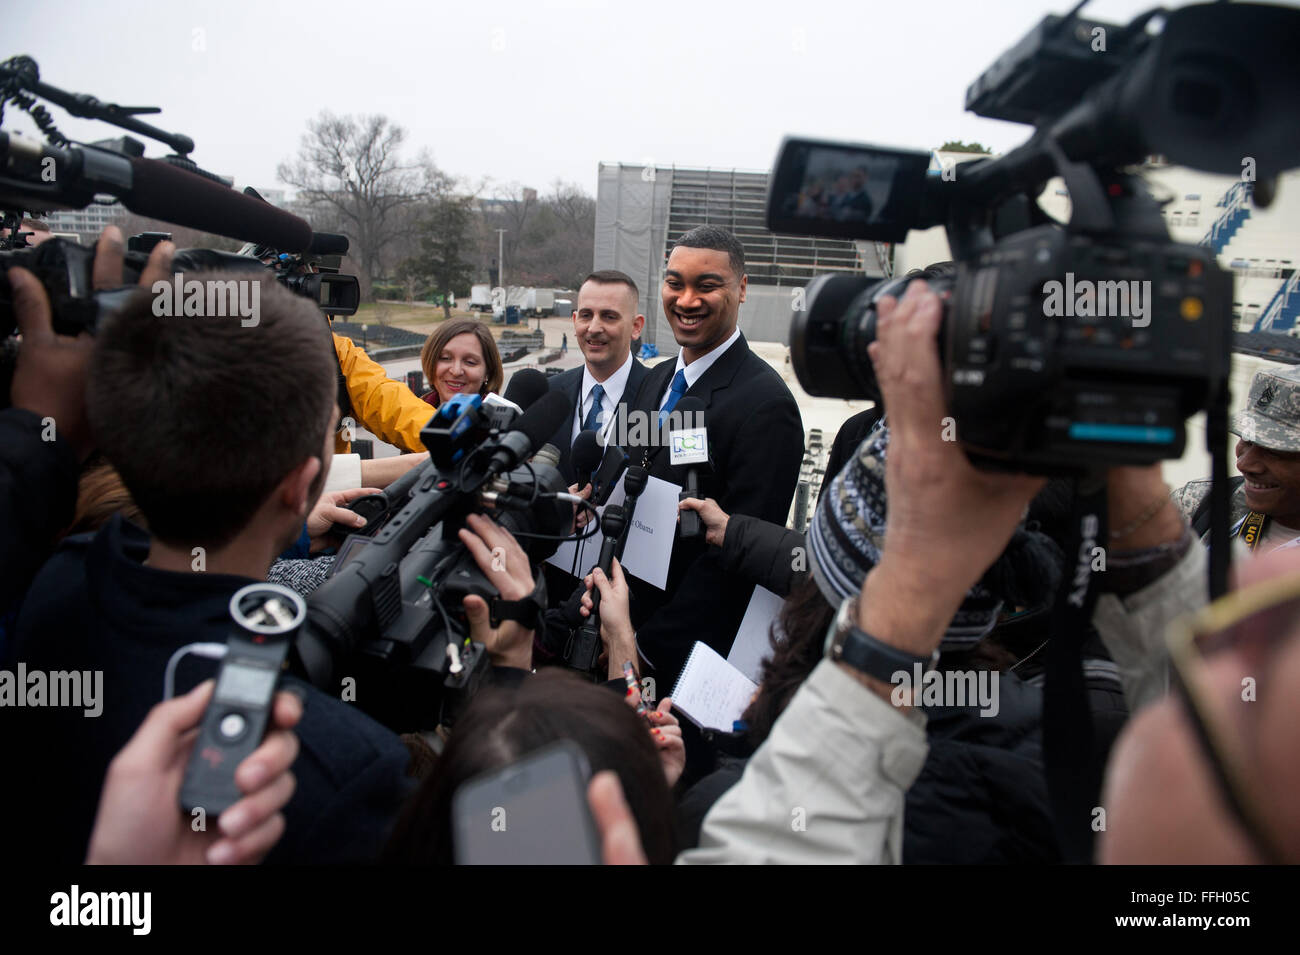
848, 532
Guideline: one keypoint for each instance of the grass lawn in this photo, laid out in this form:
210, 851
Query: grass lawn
413, 317
418, 317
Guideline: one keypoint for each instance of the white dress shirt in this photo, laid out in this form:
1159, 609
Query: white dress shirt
614, 387
696, 369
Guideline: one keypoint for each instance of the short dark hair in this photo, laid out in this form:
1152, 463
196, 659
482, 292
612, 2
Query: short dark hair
612, 277
501, 726
202, 416
719, 240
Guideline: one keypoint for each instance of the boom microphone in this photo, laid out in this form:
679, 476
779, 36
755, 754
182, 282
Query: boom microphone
160, 190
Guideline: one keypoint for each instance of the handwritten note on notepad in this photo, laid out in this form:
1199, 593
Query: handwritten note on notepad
710, 692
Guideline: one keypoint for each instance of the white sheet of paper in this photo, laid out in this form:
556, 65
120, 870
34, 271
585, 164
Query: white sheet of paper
649, 543
752, 644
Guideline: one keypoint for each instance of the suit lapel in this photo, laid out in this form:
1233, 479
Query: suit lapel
721, 374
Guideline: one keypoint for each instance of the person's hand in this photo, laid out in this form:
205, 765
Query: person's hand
140, 822
712, 516
50, 374
620, 839
581, 516
506, 566
329, 510
667, 735
947, 521
616, 631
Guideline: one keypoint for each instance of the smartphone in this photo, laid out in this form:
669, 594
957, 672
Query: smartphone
533, 812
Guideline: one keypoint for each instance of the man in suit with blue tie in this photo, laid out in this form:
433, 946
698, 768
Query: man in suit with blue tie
605, 324
755, 437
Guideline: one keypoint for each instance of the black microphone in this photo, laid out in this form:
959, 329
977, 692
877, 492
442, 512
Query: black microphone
525, 387
532, 429
607, 474
586, 456
698, 462
160, 190
583, 649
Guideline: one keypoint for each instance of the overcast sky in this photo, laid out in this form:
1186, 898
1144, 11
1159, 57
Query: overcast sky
534, 91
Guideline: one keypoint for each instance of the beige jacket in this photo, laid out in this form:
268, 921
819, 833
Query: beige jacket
828, 784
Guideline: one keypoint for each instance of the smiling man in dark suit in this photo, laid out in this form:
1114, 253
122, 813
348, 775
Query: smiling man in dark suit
755, 443
605, 323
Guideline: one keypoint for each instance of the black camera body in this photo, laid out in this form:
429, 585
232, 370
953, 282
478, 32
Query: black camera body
1065, 346
390, 616
1107, 363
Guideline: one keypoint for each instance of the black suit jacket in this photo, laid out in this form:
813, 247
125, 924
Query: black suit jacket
570, 383
756, 443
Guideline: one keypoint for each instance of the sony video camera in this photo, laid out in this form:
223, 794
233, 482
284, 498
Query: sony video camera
390, 617
1065, 346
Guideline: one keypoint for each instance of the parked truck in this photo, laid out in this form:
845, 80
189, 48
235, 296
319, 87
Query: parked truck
480, 298
539, 301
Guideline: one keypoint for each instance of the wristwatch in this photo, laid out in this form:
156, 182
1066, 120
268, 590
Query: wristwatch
846, 643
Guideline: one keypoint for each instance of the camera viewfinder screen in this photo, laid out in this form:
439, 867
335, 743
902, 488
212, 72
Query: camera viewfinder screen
845, 191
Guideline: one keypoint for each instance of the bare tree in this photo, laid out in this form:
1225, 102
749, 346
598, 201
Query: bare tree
549, 241
351, 167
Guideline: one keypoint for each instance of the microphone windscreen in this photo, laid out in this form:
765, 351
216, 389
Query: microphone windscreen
160, 190
586, 454
544, 418
526, 386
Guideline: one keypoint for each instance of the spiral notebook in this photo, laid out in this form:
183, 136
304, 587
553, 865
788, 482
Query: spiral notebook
710, 692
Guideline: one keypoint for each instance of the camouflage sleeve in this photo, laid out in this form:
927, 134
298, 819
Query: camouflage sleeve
1189, 496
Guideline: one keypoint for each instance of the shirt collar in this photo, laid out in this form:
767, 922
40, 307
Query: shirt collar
614, 385
696, 369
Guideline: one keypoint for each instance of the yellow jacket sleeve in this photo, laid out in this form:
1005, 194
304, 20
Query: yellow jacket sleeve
386, 408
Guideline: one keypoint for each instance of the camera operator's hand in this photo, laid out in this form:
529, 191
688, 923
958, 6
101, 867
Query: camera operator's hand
712, 516
50, 375
506, 566
616, 631
947, 521
620, 839
329, 510
139, 820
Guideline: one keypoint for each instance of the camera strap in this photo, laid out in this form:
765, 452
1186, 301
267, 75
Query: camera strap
527, 611
1070, 761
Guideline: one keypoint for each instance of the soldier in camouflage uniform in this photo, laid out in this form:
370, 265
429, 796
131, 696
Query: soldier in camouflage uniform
1265, 501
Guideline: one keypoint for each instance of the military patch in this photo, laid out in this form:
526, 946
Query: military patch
1267, 395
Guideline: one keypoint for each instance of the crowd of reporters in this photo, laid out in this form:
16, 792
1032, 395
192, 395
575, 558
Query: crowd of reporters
179, 435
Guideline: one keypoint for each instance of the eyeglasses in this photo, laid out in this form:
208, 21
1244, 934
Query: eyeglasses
1253, 622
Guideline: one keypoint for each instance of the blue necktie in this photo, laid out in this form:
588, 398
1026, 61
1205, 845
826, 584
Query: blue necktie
593, 416
676, 390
